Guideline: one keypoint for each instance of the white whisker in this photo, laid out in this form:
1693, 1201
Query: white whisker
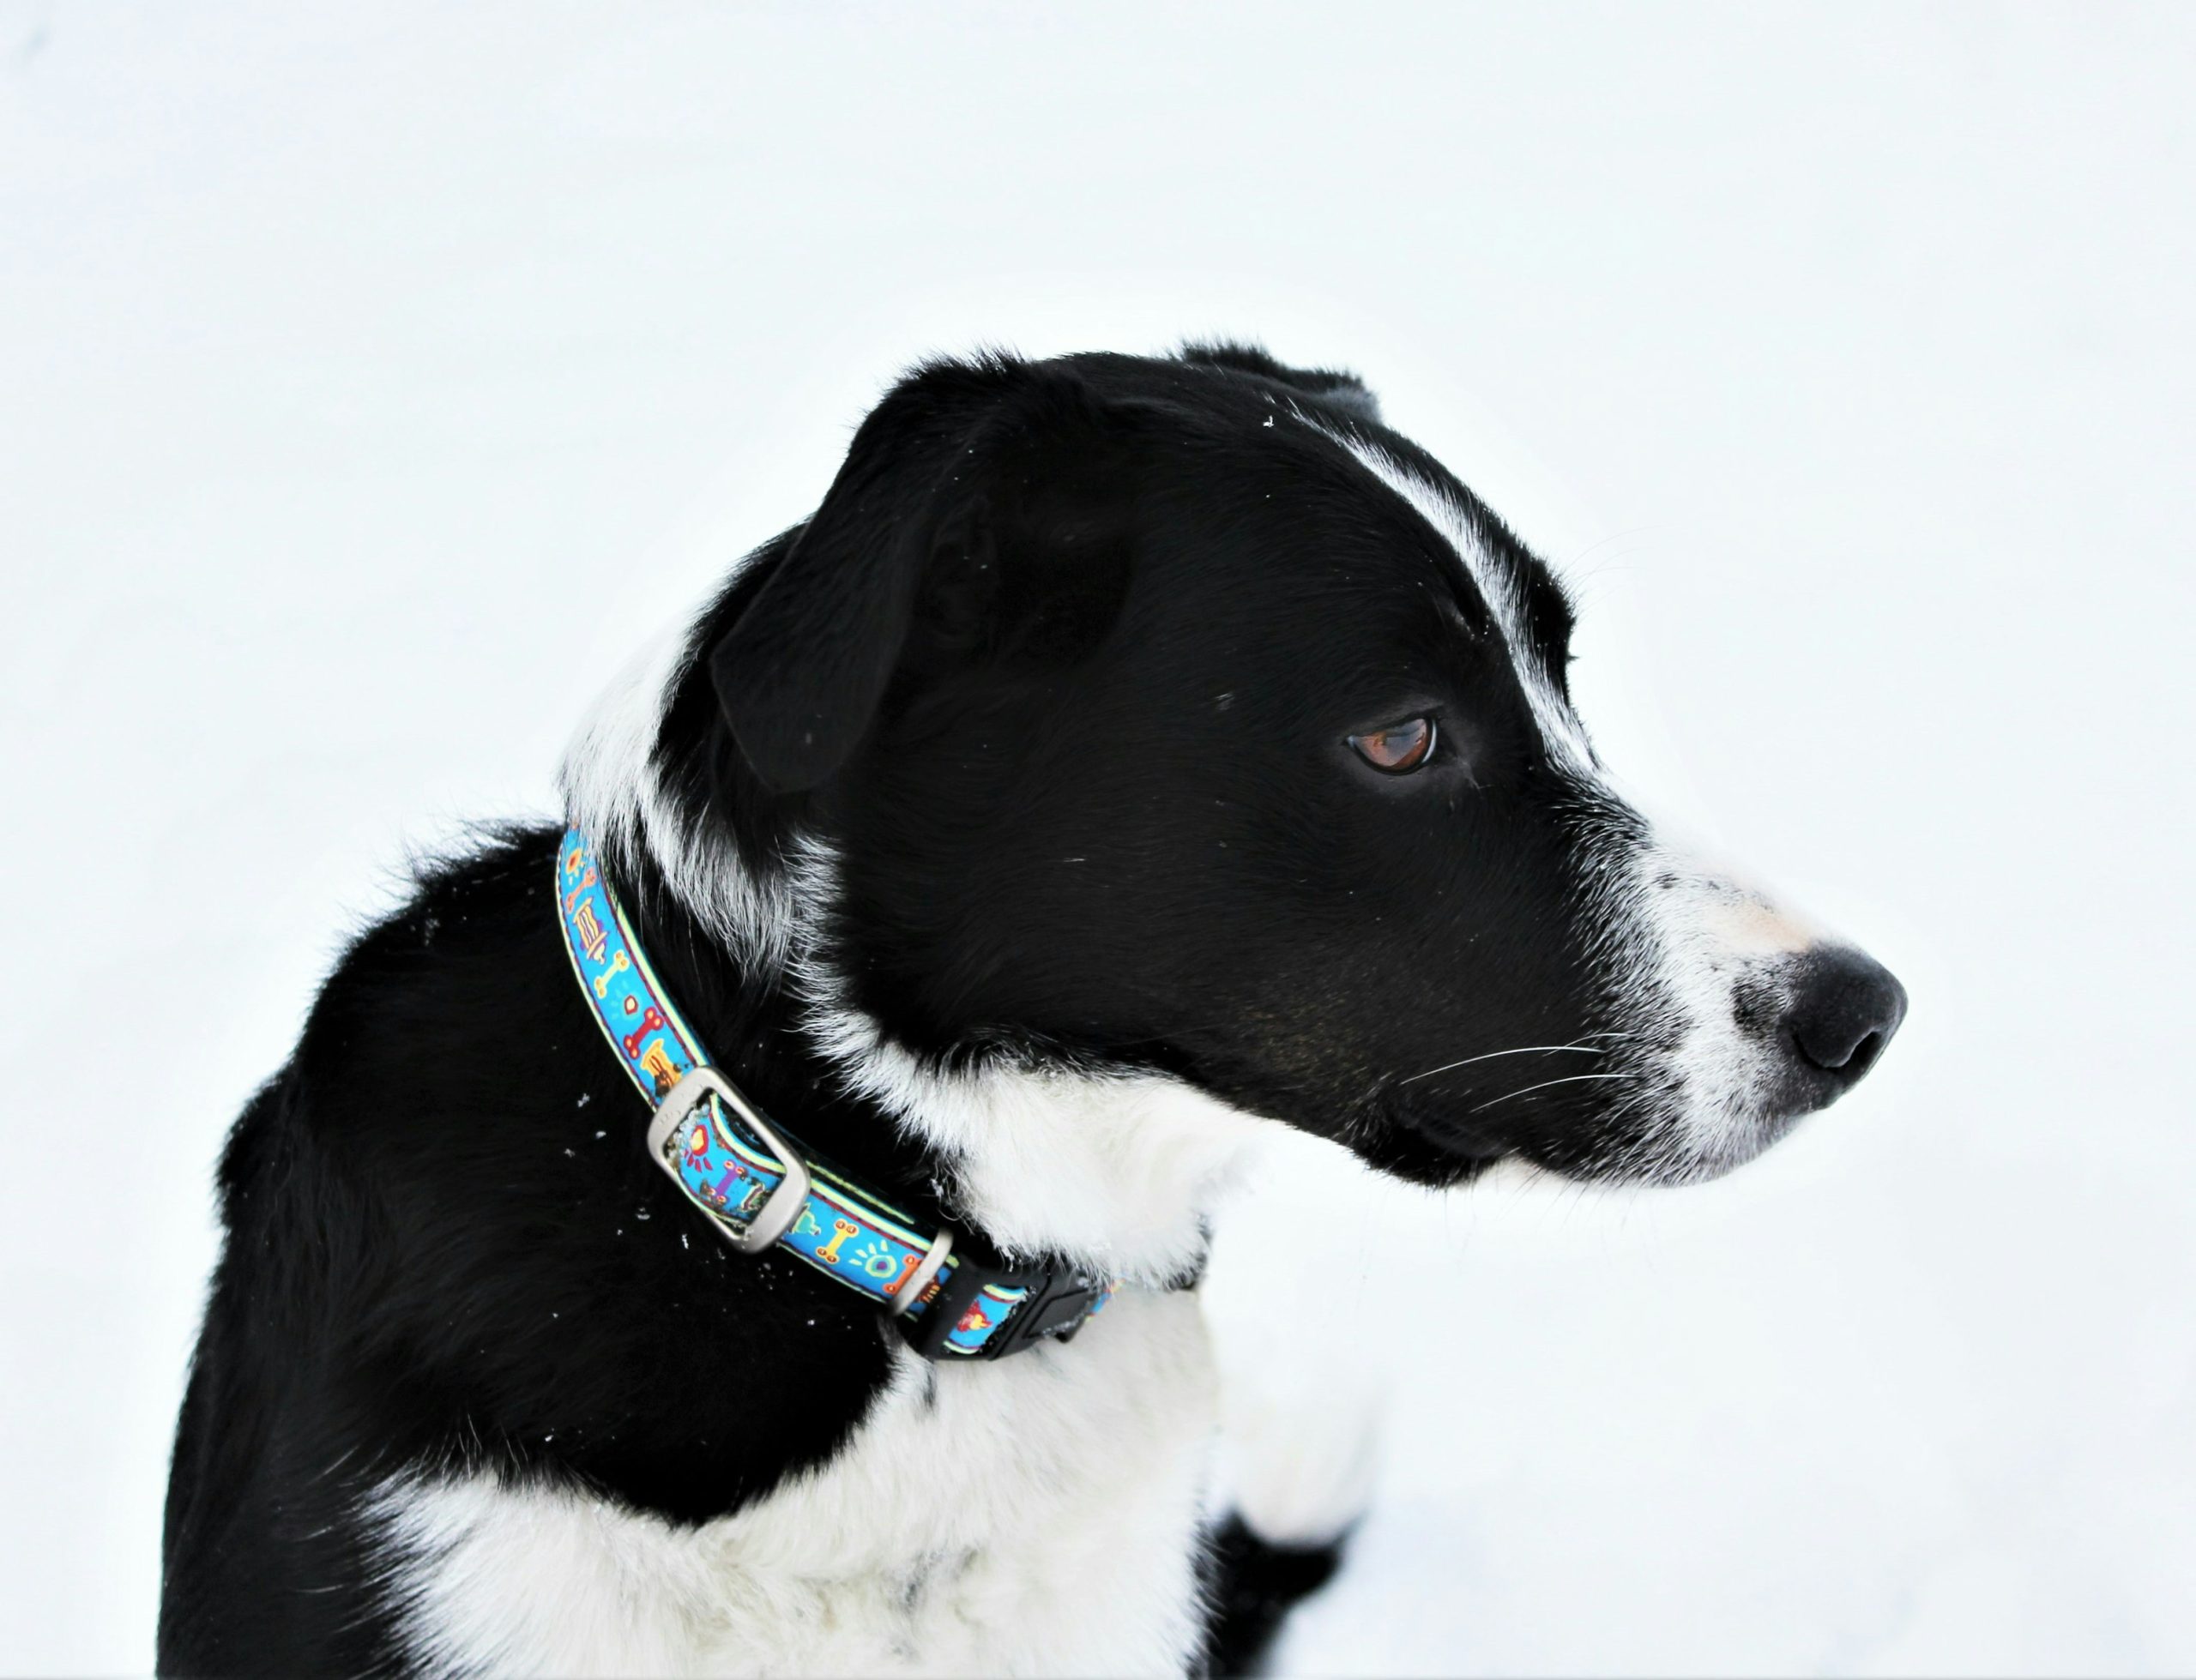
1523, 1049
1572, 1080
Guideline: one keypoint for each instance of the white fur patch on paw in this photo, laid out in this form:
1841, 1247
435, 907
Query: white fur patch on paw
1304, 1379
1301, 1468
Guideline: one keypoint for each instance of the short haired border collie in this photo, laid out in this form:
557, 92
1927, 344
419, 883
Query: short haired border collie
1131, 756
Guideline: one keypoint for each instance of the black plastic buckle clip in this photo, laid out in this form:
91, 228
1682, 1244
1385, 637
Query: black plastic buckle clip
1054, 1310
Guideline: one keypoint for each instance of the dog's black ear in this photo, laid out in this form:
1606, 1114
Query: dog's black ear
985, 499
1331, 386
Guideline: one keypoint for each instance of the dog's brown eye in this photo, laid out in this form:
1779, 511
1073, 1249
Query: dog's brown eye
1397, 750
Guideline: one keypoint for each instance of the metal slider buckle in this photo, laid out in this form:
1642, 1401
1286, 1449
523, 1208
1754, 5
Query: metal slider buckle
782, 1207
933, 1261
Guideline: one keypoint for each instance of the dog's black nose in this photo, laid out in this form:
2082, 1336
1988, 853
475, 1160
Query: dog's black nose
1845, 1009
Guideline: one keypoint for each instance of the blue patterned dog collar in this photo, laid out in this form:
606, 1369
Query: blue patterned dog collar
759, 1189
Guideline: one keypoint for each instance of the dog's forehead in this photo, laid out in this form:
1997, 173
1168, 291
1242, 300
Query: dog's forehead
1328, 473
1307, 502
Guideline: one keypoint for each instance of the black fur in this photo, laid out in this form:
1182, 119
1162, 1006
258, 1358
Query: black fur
1063, 666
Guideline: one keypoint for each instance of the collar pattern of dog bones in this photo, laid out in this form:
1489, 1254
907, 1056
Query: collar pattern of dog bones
759, 1189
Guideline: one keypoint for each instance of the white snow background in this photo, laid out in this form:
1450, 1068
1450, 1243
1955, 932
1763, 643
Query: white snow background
373, 378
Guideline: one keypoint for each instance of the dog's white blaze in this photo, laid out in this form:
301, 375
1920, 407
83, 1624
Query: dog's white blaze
1300, 1459
1559, 724
1034, 1516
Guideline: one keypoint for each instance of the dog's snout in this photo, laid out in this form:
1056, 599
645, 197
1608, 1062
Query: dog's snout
1845, 1009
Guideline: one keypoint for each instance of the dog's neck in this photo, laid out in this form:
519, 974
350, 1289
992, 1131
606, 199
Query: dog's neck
1115, 1171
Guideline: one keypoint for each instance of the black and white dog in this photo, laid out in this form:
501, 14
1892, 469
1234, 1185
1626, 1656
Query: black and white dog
1129, 757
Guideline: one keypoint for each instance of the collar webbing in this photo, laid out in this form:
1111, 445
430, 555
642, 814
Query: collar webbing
734, 1165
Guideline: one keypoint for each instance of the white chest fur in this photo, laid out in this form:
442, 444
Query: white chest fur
1034, 1516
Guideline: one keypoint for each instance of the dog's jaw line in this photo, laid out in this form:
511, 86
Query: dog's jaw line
1116, 1171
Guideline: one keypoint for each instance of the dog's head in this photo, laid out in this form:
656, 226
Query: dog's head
1176, 715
